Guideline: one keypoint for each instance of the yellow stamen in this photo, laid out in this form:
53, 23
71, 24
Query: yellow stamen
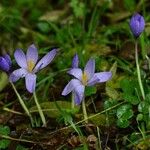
84, 78
31, 65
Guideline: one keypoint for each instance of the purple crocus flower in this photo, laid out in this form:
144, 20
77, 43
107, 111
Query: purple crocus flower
137, 24
5, 63
88, 77
30, 66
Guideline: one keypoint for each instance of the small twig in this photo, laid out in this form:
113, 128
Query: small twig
12, 111
22, 140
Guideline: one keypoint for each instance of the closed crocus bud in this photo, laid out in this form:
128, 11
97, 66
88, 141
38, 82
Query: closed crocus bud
137, 24
5, 63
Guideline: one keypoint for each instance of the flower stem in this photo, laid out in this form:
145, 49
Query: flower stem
72, 101
23, 104
138, 70
39, 110
84, 111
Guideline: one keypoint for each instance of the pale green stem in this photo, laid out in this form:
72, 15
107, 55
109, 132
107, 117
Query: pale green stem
72, 101
138, 70
39, 110
99, 138
84, 111
23, 104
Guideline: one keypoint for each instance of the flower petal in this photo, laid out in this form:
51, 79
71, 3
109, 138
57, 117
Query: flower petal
103, 76
90, 68
79, 94
32, 54
75, 61
70, 86
93, 80
76, 72
4, 65
8, 59
20, 58
45, 60
30, 82
17, 74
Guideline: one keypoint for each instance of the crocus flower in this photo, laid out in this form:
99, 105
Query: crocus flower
87, 77
137, 24
30, 66
5, 63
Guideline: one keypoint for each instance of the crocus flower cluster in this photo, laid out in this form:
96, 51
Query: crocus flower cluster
84, 78
137, 24
30, 66
5, 63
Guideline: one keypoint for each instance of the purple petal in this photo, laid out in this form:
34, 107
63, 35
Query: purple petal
20, 58
30, 82
32, 54
75, 61
70, 86
8, 59
77, 99
90, 68
45, 60
103, 76
4, 65
79, 94
76, 72
17, 74
93, 80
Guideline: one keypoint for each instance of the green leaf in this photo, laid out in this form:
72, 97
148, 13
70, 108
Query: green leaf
123, 123
147, 98
4, 143
90, 90
109, 104
4, 130
131, 98
126, 86
139, 117
125, 112
52, 110
143, 107
129, 85
134, 137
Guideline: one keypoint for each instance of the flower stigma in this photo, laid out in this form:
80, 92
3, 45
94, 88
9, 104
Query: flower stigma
31, 65
84, 78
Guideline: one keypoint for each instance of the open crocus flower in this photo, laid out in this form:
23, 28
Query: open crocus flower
88, 77
29, 66
5, 63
